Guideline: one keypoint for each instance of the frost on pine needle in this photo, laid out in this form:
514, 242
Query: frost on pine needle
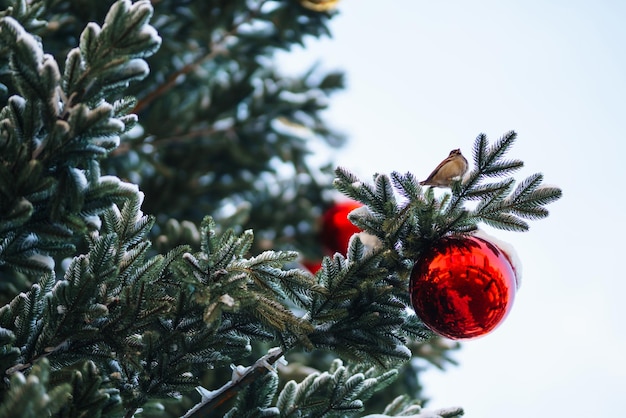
283, 126
45, 261
238, 372
426, 413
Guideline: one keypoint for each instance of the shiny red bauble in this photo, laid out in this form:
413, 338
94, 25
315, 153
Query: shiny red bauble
336, 229
463, 287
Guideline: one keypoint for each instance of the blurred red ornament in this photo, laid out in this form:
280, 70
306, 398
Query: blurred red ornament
463, 287
336, 229
312, 266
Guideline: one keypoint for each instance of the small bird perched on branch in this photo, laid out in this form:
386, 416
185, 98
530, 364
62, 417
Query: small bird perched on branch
452, 168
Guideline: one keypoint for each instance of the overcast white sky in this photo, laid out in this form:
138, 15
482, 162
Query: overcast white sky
425, 77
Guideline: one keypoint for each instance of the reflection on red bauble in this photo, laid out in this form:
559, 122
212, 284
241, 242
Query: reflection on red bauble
463, 287
336, 229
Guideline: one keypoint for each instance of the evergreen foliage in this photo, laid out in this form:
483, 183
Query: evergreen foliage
175, 108
335, 393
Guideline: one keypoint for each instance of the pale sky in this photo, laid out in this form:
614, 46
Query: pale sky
425, 77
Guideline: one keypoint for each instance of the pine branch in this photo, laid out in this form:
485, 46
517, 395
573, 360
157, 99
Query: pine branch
489, 161
255, 287
495, 207
55, 129
91, 394
215, 399
256, 399
238, 103
405, 407
360, 316
31, 396
92, 314
109, 57
336, 393
217, 48
220, 46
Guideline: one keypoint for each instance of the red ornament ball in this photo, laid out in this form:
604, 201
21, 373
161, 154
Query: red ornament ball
463, 287
336, 229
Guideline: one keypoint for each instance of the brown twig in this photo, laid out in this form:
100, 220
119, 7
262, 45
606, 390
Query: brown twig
216, 49
227, 392
171, 80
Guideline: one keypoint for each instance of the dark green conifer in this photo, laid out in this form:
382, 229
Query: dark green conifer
155, 195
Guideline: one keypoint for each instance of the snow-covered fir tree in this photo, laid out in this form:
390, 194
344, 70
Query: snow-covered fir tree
157, 202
